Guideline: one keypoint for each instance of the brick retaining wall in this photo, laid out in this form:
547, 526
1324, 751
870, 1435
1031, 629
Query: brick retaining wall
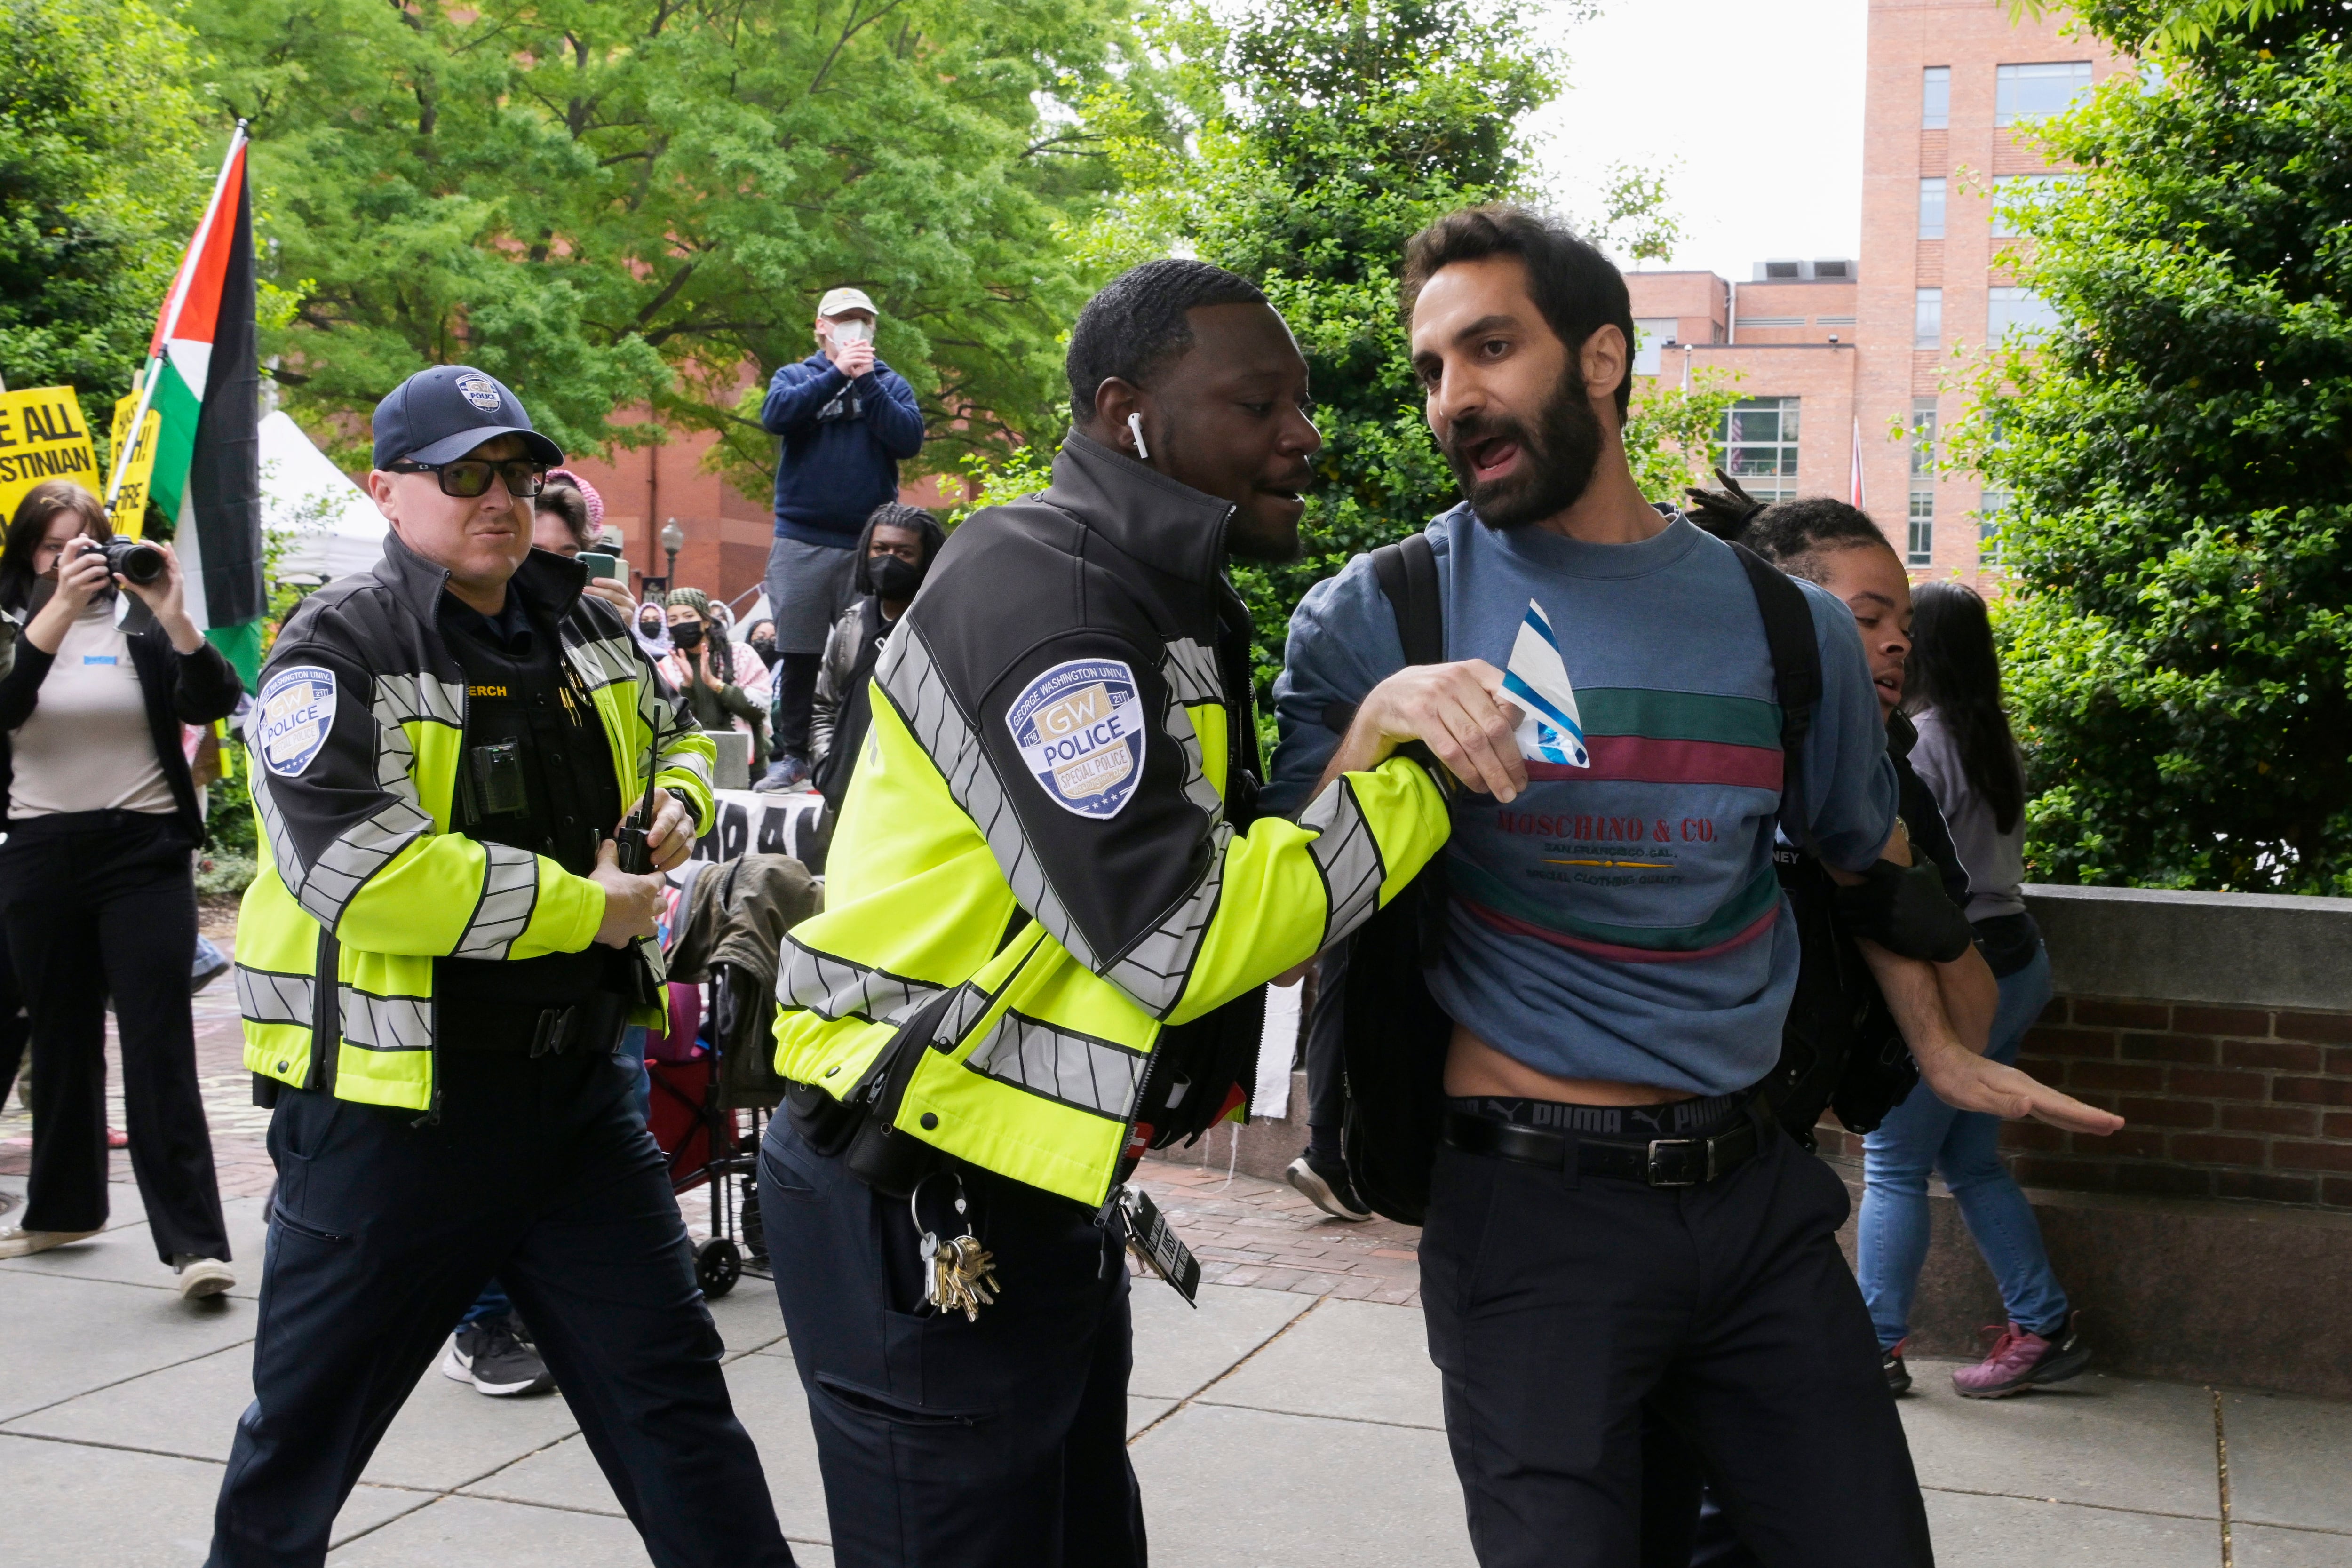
2222, 1102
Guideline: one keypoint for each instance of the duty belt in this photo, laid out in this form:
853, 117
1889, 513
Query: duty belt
1659, 1162
593, 1024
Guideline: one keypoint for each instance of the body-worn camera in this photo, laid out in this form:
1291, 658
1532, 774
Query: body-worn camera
134, 560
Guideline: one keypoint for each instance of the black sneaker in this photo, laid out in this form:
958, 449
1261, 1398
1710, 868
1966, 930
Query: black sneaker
489, 1355
1328, 1187
1890, 1362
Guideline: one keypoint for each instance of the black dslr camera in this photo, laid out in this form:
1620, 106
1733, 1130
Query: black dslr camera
135, 560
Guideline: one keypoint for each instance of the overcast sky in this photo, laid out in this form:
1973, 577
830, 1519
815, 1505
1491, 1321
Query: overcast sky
1759, 106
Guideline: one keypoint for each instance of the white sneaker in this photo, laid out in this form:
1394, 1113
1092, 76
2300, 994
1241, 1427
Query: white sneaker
202, 1276
24, 1243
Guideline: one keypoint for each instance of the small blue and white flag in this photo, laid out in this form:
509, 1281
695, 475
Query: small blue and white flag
1552, 731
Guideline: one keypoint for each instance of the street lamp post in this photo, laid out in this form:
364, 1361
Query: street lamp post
673, 539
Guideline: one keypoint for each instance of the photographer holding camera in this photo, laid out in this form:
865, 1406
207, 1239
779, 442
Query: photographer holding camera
95, 889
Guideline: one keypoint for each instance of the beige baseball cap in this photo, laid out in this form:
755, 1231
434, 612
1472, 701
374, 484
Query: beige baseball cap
841, 301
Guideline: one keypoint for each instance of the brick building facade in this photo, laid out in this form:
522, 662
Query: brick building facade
1865, 356
726, 531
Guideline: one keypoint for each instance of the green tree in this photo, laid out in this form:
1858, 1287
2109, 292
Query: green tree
2177, 450
1325, 134
615, 204
103, 154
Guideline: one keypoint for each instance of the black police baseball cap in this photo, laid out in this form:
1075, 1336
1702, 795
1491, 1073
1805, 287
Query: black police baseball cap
440, 414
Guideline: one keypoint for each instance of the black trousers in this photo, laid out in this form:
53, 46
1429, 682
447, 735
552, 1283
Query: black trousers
1563, 1310
540, 1172
794, 677
95, 904
944, 1443
15, 1023
1682, 1524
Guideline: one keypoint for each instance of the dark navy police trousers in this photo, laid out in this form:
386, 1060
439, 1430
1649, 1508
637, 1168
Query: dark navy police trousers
540, 1172
949, 1444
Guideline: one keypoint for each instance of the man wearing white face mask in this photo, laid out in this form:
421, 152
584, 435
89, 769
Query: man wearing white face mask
847, 421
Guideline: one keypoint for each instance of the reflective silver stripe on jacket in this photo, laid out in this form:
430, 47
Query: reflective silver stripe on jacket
835, 988
607, 661
265, 996
908, 678
1156, 966
1191, 670
510, 893
1348, 856
344, 868
385, 1023
1069, 1069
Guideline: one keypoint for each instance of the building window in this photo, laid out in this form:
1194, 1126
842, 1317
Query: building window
2032, 93
1920, 548
1931, 209
1760, 446
1928, 320
1991, 516
1651, 335
1936, 97
2018, 310
2014, 196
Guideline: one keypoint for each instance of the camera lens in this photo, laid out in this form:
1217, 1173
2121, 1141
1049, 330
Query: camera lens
134, 560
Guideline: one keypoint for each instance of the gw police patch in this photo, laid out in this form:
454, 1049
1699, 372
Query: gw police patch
291, 720
1080, 729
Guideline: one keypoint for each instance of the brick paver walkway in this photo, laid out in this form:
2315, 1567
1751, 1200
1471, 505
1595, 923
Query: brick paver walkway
1259, 1232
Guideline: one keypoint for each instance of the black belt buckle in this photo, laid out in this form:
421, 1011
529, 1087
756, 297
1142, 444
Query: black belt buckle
1677, 1151
553, 1032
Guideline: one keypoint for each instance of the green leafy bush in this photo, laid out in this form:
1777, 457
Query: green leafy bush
2179, 452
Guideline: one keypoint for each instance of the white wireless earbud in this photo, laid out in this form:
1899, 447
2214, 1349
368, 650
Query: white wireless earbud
1135, 428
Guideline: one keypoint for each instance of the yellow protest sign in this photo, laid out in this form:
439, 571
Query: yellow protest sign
43, 436
129, 514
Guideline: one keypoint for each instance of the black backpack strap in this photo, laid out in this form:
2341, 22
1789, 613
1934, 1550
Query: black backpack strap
1796, 668
1407, 571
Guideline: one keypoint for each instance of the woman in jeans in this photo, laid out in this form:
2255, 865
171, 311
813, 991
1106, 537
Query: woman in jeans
1967, 759
96, 890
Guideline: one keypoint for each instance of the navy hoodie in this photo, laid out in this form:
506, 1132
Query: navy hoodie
843, 442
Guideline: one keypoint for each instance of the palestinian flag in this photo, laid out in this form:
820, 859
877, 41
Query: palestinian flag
203, 378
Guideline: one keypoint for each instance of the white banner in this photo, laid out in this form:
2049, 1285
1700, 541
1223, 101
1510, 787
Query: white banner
751, 823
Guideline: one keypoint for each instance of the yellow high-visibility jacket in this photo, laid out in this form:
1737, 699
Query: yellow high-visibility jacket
355, 740
1051, 818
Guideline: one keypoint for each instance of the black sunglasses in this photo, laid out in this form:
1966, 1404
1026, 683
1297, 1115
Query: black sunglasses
470, 476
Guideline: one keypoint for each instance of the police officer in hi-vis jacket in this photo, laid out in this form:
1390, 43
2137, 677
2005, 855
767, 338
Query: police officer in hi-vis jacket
434, 968
1050, 910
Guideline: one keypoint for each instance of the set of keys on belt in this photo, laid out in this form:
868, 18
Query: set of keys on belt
959, 1276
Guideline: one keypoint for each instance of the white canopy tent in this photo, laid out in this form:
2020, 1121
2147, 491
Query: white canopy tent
325, 523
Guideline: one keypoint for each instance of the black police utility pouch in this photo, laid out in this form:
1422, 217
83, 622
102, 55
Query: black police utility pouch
1904, 909
879, 1153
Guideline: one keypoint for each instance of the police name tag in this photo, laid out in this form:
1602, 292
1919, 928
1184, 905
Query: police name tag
1080, 729
292, 719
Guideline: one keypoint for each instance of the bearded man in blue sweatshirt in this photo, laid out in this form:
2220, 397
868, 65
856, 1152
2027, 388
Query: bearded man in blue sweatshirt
1618, 962
847, 421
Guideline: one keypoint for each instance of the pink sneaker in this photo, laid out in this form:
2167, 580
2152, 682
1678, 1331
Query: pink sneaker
2019, 1360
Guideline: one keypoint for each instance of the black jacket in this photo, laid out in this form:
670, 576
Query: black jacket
179, 689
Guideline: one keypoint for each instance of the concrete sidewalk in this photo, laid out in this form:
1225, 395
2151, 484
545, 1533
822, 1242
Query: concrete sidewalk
1277, 1427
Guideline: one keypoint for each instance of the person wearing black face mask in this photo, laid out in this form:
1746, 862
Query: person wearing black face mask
709, 676
894, 553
